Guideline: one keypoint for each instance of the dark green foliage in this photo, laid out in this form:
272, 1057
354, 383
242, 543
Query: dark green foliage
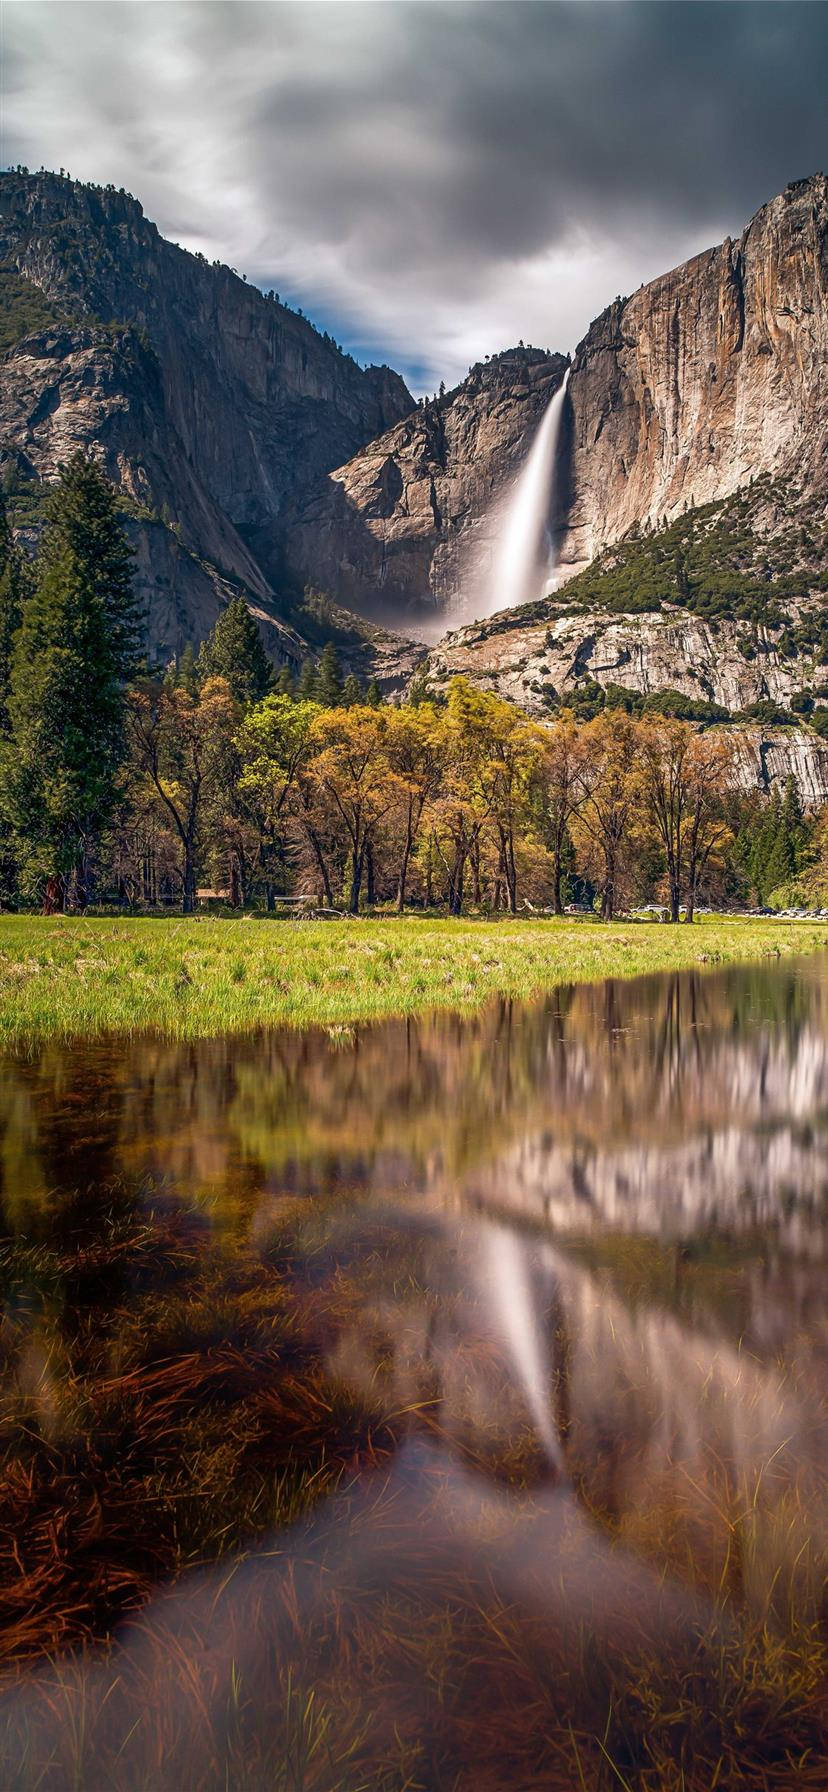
12, 582
684, 708
234, 652
585, 700
11, 593
351, 691
329, 678
285, 685
26, 498
419, 690
771, 715
306, 689
73, 652
771, 845
714, 562
183, 671
373, 694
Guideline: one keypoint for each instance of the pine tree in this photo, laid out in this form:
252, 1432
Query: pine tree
11, 596
329, 679
351, 691
74, 650
184, 672
793, 823
11, 593
307, 682
418, 690
285, 685
777, 847
373, 695
234, 651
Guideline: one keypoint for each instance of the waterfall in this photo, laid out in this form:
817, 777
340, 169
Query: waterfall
522, 563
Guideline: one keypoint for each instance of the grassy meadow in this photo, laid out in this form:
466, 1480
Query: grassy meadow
63, 976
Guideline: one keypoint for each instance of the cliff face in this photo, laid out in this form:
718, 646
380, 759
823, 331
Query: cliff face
214, 406
250, 453
680, 395
395, 530
705, 378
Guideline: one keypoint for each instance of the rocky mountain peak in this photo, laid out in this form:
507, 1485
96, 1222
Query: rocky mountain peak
214, 405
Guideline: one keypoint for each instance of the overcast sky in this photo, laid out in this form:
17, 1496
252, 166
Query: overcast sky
432, 182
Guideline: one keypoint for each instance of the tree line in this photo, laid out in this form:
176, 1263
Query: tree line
122, 783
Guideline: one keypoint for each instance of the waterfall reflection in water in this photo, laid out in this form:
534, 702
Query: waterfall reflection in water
560, 1270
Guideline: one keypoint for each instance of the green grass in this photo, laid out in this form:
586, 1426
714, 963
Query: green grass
195, 978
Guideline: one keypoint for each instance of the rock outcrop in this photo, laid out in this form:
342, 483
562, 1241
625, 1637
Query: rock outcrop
539, 663
393, 531
214, 406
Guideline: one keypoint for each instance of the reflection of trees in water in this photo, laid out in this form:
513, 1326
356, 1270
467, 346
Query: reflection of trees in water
433, 1101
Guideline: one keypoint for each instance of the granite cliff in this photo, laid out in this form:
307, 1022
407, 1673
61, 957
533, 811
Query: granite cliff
394, 531
705, 379
679, 396
252, 455
214, 405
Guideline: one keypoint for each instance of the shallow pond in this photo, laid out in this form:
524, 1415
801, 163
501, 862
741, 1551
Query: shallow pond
428, 1405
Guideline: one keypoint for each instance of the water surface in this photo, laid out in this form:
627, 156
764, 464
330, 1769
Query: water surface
428, 1404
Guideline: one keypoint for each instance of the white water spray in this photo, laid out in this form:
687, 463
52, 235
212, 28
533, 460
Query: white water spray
522, 564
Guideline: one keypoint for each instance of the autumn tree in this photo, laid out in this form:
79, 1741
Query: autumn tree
687, 776
277, 744
510, 759
605, 820
665, 747
177, 741
712, 777
462, 806
564, 787
414, 754
351, 771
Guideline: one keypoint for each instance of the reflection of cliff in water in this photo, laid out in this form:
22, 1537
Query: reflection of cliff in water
675, 1439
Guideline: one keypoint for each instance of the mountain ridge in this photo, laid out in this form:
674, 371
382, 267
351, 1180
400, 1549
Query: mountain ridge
223, 415
212, 403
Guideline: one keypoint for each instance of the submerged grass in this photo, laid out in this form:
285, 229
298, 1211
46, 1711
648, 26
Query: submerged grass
154, 1413
168, 1399
197, 977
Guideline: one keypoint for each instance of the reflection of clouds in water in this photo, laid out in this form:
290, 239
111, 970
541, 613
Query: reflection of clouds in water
160, 1711
675, 1116
648, 1416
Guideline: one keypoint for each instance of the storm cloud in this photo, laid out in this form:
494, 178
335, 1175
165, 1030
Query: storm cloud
432, 182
